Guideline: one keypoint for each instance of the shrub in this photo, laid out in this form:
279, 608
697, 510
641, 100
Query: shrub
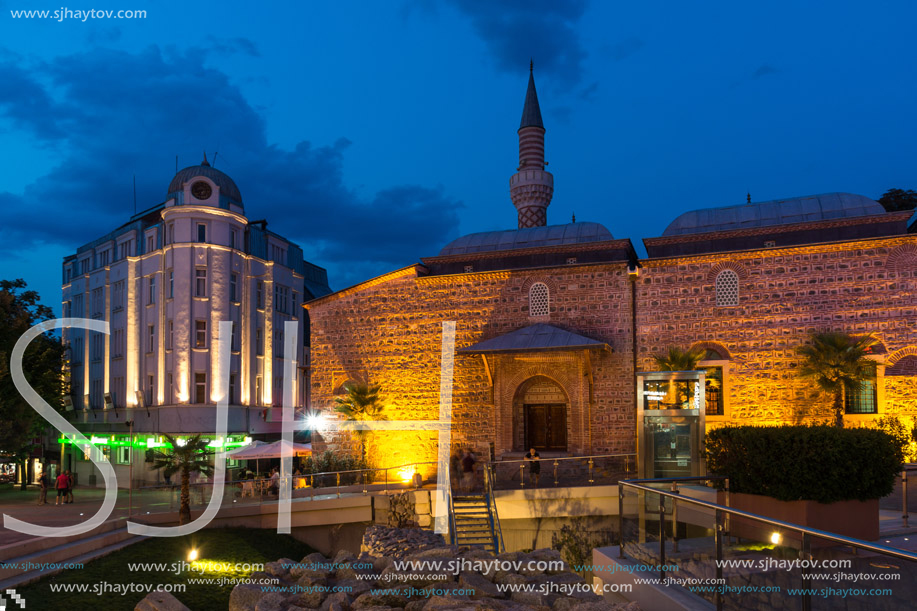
818, 463
904, 435
329, 462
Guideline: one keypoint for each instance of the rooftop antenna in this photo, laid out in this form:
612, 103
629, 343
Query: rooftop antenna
214, 162
135, 194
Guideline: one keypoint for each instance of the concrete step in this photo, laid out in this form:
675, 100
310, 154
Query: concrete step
33, 576
35, 544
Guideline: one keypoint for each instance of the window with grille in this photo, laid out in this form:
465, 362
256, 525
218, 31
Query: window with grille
861, 400
727, 288
538, 300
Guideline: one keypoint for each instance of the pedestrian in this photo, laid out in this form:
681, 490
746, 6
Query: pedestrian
275, 481
61, 486
69, 487
534, 460
468, 471
43, 482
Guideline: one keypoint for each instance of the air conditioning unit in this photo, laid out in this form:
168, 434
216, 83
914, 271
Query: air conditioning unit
68, 403
109, 403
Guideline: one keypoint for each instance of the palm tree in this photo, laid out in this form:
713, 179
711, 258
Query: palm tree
676, 359
361, 402
838, 363
192, 457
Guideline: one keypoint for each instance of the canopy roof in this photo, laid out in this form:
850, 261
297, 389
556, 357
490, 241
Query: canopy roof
533, 338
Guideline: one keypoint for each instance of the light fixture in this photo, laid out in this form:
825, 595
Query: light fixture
192, 555
315, 420
776, 538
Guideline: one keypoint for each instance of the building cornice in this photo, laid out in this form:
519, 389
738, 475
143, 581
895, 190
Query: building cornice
782, 251
620, 244
414, 269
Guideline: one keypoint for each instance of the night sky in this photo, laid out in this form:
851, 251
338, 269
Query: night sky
372, 133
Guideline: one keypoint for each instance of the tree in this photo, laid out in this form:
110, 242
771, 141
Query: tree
677, 359
361, 402
838, 363
192, 457
894, 200
42, 365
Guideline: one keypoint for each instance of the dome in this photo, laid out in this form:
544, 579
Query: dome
529, 237
826, 207
228, 188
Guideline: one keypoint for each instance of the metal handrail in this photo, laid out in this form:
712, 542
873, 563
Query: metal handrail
496, 529
821, 534
589, 458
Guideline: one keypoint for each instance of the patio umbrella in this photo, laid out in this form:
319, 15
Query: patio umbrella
253, 445
271, 450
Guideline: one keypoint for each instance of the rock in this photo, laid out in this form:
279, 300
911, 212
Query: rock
356, 586
337, 601
450, 603
160, 601
481, 586
315, 558
380, 564
386, 599
503, 577
244, 597
280, 568
272, 601
343, 556
310, 599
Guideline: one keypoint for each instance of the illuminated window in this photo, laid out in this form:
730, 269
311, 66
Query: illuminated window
538, 300
727, 288
200, 334
200, 286
200, 387
863, 399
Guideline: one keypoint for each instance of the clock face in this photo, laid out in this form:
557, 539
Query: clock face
201, 190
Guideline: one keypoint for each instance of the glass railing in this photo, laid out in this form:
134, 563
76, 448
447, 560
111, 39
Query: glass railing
167, 497
599, 470
740, 560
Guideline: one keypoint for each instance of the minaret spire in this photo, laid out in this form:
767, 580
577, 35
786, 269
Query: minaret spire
531, 188
205, 162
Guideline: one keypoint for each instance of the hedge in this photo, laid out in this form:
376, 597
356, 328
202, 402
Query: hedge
817, 463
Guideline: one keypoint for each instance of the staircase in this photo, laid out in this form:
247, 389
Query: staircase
108, 537
471, 517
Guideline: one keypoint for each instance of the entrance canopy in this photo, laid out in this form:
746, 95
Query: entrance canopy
538, 337
271, 450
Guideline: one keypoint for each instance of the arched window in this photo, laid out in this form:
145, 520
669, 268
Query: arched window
727, 288
538, 300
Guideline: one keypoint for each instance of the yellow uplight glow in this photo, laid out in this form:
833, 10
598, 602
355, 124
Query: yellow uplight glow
776, 538
192, 555
406, 474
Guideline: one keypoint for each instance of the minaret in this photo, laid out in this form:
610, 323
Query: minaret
531, 188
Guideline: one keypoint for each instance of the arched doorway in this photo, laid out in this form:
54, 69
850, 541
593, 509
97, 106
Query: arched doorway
540, 421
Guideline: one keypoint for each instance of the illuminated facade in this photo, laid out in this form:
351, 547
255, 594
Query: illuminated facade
164, 281
554, 322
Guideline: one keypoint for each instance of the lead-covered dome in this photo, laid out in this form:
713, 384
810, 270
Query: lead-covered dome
825, 207
228, 188
529, 237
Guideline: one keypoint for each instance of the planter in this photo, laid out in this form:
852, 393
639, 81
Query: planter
856, 519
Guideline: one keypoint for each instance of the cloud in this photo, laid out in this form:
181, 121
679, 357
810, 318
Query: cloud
764, 70
624, 49
107, 139
516, 30
227, 46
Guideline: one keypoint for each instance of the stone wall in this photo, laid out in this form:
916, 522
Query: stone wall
784, 294
388, 331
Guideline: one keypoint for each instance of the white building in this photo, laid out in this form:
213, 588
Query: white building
164, 280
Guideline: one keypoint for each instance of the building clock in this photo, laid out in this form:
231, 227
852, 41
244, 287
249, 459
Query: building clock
201, 190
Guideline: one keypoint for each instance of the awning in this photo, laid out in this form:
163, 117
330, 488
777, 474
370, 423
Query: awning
271, 450
536, 338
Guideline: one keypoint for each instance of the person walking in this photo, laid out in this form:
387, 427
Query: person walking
534, 460
69, 486
468, 471
43, 493
61, 486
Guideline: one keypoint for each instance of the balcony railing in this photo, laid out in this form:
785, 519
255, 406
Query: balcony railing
597, 470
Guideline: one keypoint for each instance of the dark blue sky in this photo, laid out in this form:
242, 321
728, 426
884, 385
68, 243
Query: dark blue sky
374, 132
